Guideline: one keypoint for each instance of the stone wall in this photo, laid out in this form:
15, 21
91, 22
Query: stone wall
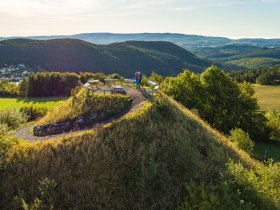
80, 122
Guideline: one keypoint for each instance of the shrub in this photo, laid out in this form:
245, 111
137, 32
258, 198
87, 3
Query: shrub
213, 196
273, 123
6, 142
156, 77
13, 118
242, 140
47, 198
33, 112
4, 128
8, 88
260, 186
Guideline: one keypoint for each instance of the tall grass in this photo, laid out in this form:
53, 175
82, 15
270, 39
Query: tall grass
83, 104
141, 161
13, 118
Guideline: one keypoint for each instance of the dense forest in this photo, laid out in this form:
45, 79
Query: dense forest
263, 76
123, 58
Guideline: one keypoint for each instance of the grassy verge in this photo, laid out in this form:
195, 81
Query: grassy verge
268, 97
49, 103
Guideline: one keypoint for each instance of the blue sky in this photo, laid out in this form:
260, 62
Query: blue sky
234, 19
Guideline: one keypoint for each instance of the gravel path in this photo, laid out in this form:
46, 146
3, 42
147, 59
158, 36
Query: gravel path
25, 133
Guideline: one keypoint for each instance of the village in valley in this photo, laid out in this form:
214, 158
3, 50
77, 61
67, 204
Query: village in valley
14, 73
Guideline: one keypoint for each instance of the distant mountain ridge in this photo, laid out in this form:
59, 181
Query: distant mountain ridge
246, 56
187, 41
124, 58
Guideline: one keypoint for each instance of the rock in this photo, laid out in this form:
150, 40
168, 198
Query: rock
101, 114
80, 120
93, 116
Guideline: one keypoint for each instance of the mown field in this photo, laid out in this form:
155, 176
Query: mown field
49, 103
268, 97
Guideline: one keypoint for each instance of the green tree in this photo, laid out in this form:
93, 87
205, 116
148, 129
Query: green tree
224, 103
8, 88
273, 123
242, 140
187, 89
222, 95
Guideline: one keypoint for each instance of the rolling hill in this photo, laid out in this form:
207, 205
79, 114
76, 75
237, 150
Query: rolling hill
242, 56
124, 58
255, 63
184, 40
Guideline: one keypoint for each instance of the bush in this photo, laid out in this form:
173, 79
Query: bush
273, 123
8, 88
4, 129
242, 140
212, 196
13, 118
155, 77
6, 142
33, 112
260, 186
47, 198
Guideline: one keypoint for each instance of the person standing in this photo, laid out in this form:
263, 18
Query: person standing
138, 79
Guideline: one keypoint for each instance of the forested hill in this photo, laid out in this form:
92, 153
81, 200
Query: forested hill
75, 55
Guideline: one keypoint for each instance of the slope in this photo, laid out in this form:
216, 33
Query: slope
124, 58
141, 161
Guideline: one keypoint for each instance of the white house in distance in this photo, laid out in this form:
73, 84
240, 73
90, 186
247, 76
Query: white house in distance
25, 74
21, 65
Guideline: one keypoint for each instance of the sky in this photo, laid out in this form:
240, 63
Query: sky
229, 18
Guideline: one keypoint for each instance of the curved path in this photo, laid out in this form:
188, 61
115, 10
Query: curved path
25, 133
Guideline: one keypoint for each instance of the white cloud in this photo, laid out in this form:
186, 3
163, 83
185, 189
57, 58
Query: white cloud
270, 1
182, 8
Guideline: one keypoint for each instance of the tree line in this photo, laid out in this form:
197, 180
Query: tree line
264, 76
43, 84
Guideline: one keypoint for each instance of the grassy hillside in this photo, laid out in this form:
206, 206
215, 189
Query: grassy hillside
268, 97
142, 161
49, 103
123, 58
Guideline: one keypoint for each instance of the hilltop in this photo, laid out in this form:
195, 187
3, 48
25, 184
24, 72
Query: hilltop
136, 162
124, 58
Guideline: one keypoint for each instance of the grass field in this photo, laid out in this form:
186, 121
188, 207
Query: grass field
268, 97
264, 151
49, 103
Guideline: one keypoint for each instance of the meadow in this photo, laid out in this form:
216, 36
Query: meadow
265, 151
49, 102
268, 97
